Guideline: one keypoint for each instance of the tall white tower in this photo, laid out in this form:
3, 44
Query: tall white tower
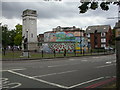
29, 31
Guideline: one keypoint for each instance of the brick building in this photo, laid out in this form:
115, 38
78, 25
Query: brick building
99, 36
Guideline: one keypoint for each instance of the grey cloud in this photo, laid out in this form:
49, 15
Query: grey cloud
45, 10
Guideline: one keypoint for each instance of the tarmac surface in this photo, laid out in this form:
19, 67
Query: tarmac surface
74, 72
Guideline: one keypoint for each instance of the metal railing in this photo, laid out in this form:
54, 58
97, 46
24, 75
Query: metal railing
18, 54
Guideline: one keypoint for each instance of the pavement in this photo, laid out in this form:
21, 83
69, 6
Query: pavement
67, 73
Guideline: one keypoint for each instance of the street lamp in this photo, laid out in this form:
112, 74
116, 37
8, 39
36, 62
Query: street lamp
27, 43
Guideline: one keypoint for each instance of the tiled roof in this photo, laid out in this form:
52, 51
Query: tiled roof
99, 28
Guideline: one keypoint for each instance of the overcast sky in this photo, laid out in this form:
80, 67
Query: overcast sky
53, 14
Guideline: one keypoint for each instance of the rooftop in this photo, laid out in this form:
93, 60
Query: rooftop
99, 28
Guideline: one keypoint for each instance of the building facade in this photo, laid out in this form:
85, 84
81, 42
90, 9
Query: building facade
99, 36
61, 38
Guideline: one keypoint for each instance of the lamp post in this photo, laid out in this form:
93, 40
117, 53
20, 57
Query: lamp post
27, 43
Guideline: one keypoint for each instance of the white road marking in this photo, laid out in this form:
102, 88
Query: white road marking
108, 77
71, 59
114, 76
56, 73
63, 65
47, 59
95, 57
12, 69
7, 84
40, 80
108, 62
114, 61
105, 65
84, 60
86, 82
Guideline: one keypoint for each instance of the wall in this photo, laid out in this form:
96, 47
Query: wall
58, 47
61, 36
68, 40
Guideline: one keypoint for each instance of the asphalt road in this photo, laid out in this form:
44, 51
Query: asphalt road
74, 72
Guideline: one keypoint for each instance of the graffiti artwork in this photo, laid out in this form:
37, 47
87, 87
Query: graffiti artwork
58, 47
68, 40
61, 36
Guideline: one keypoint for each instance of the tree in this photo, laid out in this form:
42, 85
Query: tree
5, 37
18, 40
11, 37
18, 37
85, 6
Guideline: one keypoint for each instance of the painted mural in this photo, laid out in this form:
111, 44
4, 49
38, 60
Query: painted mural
61, 36
58, 47
81, 44
57, 41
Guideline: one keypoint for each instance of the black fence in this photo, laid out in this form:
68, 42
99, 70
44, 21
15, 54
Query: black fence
18, 54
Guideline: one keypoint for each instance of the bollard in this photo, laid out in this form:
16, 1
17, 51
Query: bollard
98, 51
65, 53
104, 51
83, 52
118, 62
42, 53
54, 53
91, 51
28, 53
4, 52
75, 52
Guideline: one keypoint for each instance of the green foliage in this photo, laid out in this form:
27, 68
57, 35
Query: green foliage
11, 37
94, 5
18, 39
104, 6
5, 36
85, 6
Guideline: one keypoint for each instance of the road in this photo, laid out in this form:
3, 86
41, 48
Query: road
74, 72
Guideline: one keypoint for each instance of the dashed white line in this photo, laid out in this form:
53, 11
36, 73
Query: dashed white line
71, 59
95, 57
63, 65
56, 73
108, 62
84, 60
105, 65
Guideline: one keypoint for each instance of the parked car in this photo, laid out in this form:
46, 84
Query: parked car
108, 48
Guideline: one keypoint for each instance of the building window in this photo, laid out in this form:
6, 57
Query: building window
88, 40
103, 40
88, 35
102, 34
103, 45
31, 35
